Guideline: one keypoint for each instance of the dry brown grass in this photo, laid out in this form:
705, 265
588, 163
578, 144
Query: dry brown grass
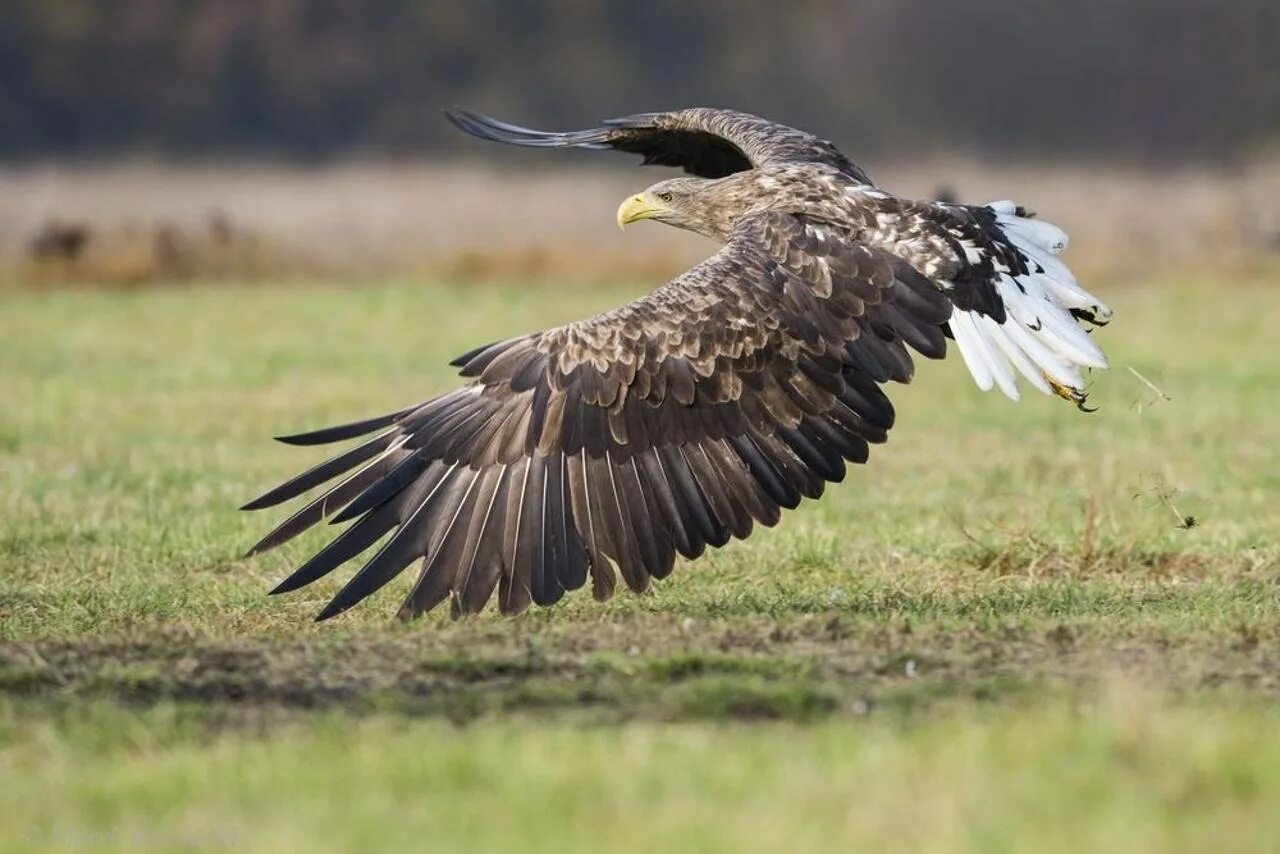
536, 218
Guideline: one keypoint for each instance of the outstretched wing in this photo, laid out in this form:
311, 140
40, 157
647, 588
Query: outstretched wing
703, 141
663, 427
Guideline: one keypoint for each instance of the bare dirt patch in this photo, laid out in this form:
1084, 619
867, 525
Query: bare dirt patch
653, 667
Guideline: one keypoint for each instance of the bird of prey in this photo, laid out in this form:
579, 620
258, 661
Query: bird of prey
680, 420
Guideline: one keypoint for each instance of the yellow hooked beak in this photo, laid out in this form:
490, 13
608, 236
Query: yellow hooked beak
639, 206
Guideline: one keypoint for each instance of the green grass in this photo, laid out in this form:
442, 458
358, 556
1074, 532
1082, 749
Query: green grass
994, 635
1119, 774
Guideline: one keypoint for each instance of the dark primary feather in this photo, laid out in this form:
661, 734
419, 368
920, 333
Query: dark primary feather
703, 141
602, 449
344, 431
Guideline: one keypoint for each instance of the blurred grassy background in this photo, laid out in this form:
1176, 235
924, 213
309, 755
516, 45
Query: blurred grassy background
1122, 774
534, 219
152, 143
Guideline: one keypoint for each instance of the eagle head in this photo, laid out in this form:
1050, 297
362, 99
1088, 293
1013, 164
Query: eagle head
696, 204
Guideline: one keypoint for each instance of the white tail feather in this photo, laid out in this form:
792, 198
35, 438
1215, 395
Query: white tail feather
1015, 354
970, 347
1001, 370
1041, 234
1051, 364
987, 364
1039, 338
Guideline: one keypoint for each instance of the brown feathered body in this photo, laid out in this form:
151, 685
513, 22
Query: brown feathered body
614, 444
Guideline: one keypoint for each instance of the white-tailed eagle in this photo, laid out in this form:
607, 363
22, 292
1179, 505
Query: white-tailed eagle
682, 419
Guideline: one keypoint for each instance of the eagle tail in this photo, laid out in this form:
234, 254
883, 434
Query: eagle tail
1040, 337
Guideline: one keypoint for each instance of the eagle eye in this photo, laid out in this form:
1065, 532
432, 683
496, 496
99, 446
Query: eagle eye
664, 197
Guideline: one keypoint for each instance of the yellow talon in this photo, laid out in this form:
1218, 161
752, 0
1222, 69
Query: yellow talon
1070, 393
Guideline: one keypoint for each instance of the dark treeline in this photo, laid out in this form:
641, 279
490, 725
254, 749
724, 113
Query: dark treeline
1137, 79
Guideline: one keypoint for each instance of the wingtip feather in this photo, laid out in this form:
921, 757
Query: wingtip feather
295, 439
262, 502
282, 587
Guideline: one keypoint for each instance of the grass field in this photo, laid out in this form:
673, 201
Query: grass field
1000, 633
